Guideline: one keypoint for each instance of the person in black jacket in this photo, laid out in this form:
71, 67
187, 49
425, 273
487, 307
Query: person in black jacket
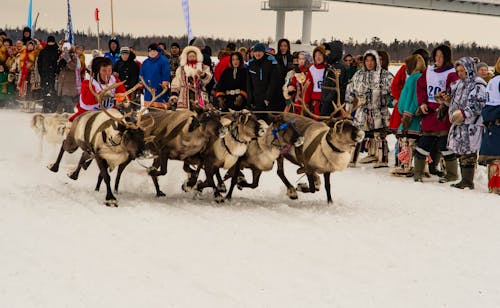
334, 65
26, 35
47, 68
126, 69
263, 81
231, 89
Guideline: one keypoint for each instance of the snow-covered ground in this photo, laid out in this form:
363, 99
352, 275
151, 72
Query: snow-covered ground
386, 242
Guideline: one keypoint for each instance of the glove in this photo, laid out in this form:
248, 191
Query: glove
239, 101
441, 112
221, 101
405, 122
457, 117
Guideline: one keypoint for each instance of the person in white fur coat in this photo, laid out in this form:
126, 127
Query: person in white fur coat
190, 80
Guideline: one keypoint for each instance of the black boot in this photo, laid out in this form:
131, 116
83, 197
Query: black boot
467, 178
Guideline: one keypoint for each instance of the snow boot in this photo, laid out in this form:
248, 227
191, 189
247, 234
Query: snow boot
371, 158
355, 155
451, 171
467, 178
382, 152
418, 170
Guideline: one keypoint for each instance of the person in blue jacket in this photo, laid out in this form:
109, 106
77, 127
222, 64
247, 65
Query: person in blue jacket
114, 50
156, 73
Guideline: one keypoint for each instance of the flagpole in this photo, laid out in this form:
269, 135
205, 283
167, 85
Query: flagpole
112, 20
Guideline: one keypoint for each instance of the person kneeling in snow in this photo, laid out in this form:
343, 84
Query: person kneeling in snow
102, 72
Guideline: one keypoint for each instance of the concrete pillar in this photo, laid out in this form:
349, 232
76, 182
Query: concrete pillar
306, 27
280, 24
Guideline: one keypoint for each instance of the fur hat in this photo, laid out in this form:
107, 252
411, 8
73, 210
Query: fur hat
446, 50
373, 53
321, 49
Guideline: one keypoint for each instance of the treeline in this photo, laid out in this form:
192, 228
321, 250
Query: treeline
397, 49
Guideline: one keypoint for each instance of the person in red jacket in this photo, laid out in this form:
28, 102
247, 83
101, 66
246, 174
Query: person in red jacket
315, 78
102, 71
434, 84
225, 62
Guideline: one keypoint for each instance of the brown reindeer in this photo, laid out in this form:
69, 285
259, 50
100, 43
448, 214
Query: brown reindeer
263, 152
224, 152
107, 136
327, 147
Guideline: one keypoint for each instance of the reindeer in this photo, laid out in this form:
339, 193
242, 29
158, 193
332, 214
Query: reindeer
327, 147
176, 135
263, 152
107, 136
51, 128
224, 152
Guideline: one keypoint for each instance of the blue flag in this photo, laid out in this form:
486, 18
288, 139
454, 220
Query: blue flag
69, 36
30, 10
185, 7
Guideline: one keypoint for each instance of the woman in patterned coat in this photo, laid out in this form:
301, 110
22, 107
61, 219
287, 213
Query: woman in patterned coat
468, 97
371, 88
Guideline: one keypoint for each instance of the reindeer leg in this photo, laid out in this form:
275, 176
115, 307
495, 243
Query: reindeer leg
209, 182
190, 183
255, 181
83, 159
55, 166
234, 179
103, 167
119, 173
312, 182
291, 192
99, 181
162, 162
220, 182
328, 187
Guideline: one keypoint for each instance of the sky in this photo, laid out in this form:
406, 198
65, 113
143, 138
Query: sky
244, 19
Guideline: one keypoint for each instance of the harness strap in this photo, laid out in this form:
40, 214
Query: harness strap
312, 147
101, 128
88, 126
173, 133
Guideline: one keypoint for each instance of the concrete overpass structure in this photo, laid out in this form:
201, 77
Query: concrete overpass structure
487, 8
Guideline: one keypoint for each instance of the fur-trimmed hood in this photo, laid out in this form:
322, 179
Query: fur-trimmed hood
188, 49
377, 59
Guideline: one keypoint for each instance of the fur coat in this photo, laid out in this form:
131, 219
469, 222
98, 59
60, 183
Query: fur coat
372, 89
469, 97
186, 78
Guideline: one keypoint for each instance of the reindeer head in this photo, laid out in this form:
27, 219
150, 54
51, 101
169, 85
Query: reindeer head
285, 132
210, 122
245, 126
343, 134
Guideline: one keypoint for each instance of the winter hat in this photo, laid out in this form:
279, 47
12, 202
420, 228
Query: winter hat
51, 39
259, 47
153, 46
174, 44
199, 42
481, 64
414, 64
66, 46
424, 53
125, 49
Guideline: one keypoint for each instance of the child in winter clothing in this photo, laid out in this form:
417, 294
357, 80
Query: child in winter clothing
315, 79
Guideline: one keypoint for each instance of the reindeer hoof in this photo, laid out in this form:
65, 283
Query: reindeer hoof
222, 188
302, 187
197, 186
152, 171
219, 199
160, 194
53, 167
73, 176
112, 202
186, 187
292, 193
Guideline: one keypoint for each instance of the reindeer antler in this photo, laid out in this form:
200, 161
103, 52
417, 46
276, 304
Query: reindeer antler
154, 97
302, 100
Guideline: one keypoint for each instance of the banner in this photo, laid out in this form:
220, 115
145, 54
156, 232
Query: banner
30, 10
185, 7
69, 36
96, 14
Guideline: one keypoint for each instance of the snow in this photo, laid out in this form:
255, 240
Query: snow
386, 241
